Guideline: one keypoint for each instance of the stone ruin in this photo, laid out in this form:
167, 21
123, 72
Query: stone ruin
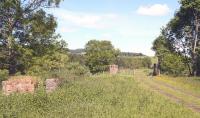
24, 85
52, 84
113, 69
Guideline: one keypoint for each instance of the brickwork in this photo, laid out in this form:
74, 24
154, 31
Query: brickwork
27, 85
113, 69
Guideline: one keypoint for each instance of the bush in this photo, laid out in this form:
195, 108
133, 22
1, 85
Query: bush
70, 72
77, 69
173, 64
77, 58
134, 62
4, 75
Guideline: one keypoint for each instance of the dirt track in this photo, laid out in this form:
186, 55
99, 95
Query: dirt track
161, 88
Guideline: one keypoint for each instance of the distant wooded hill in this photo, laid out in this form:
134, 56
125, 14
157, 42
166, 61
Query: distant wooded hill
131, 54
82, 51
77, 51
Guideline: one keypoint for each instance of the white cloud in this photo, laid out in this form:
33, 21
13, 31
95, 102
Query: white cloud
154, 10
84, 20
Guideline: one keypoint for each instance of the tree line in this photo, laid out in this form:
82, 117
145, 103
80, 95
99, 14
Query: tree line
29, 44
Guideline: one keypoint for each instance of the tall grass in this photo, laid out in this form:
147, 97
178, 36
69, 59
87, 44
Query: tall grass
101, 96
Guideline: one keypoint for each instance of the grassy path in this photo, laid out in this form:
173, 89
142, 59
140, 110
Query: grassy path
177, 94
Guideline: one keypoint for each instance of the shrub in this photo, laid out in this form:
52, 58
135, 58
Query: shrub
70, 72
4, 75
77, 69
173, 64
134, 62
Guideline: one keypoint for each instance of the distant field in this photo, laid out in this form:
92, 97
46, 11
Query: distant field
101, 96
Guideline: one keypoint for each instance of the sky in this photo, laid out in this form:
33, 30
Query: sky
131, 25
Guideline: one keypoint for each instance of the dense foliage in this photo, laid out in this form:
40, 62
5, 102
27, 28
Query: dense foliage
182, 36
27, 36
71, 71
3, 75
173, 64
99, 55
170, 62
130, 54
80, 58
82, 51
131, 62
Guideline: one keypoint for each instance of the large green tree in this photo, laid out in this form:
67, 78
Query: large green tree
169, 61
27, 33
183, 32
100, 54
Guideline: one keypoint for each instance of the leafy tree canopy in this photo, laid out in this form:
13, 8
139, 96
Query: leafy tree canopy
100, 54
182, 35
27, 32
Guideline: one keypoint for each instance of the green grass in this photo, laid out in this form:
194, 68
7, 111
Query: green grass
101, 96
190, 84
184, 90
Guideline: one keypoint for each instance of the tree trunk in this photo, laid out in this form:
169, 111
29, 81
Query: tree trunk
194, 67
188, 65
12, 64
194, 53
11, 58
198, 65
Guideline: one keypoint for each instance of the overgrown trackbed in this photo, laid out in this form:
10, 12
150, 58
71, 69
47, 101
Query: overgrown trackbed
176, 94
